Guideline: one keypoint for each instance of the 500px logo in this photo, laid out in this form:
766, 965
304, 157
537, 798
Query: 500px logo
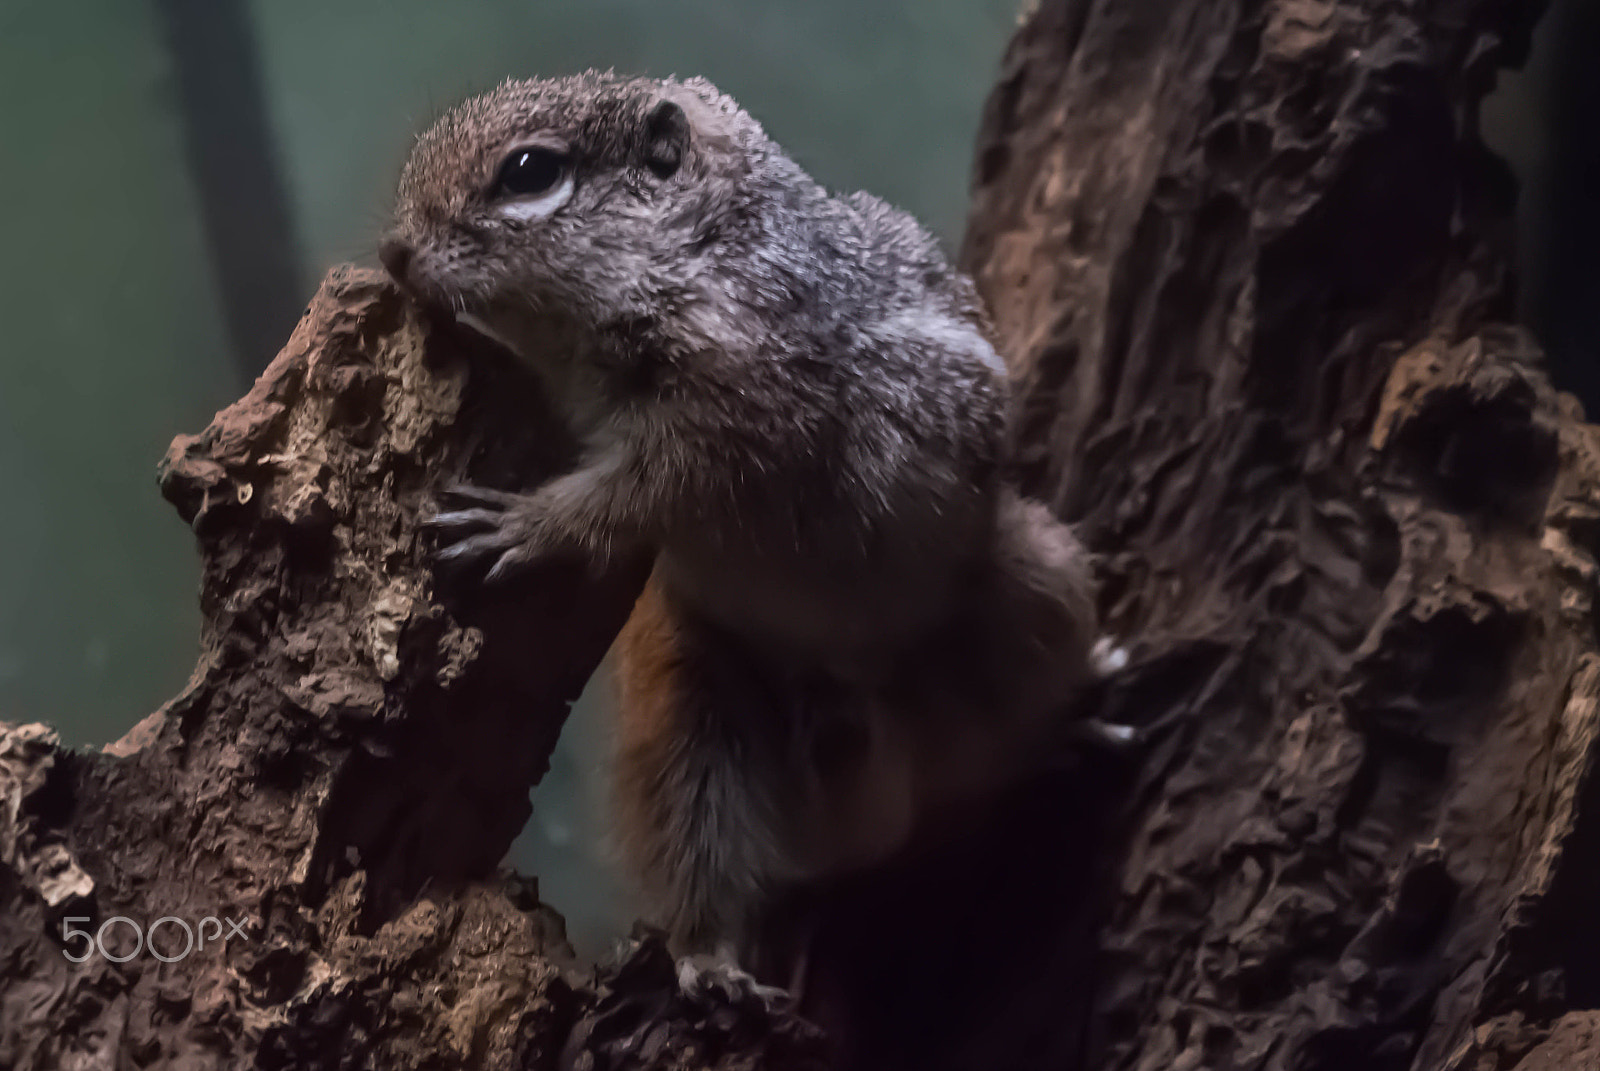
143, 938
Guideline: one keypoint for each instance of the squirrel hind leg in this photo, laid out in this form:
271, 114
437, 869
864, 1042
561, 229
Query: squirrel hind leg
694, 816
1037, 618
719, 852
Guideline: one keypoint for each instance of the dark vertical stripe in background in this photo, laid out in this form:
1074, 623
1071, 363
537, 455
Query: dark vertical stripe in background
237, 177
1565, 308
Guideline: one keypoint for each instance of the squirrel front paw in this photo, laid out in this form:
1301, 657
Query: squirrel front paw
504, 529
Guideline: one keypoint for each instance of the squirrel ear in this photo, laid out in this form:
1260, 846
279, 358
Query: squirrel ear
666, 138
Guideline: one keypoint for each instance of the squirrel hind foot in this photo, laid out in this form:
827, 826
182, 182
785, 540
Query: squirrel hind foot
715, 977
1106, 657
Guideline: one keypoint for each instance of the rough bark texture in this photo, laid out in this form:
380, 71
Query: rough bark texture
1247, 258
348, 764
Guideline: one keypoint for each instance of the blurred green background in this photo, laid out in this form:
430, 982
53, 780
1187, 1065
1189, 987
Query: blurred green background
181, 173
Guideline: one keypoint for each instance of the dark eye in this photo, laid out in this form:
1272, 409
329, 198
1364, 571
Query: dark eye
529, 171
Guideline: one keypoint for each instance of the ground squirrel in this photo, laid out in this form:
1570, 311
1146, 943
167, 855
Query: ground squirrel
789, 397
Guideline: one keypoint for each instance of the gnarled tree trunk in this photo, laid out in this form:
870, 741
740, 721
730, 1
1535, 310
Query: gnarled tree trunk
1248, 260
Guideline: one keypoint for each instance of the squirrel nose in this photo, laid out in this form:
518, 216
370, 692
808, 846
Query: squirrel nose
395, 255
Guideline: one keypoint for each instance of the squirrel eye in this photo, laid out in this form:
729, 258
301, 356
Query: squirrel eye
529, 171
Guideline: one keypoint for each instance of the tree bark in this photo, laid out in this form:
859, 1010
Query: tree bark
346, 767
1248, 261
1251, 262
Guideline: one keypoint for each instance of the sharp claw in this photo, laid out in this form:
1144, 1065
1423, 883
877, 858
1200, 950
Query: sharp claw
774, 998
477, 546
502, 568
689, 976
453, 552
1107, 658
1120, 734
481, 496
463, 519
1111, 736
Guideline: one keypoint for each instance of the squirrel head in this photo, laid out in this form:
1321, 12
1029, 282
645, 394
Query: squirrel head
589, 198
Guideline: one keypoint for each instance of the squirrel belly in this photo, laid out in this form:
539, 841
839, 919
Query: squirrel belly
737, 776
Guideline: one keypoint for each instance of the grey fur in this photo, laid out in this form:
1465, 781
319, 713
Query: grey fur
790, 396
